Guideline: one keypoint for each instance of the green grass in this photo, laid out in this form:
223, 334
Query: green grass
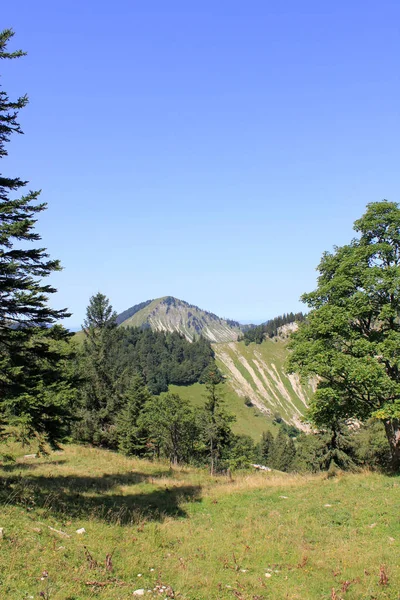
262, 366
206, 538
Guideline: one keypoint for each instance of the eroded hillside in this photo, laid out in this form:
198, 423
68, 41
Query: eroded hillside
257, 372
172, 314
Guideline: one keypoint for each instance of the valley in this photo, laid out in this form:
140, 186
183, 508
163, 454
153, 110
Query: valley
257, 388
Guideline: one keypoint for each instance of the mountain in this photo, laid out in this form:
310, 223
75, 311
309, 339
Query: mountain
257, 388
172, 314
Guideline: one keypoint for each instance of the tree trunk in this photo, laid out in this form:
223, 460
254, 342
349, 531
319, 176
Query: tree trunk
392, 428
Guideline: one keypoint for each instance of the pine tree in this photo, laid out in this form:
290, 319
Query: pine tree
101, 372
265, 447
283, 453
214, 420
33, 388
130, 434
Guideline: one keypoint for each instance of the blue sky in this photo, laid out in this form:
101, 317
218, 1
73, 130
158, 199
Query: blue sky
207, 150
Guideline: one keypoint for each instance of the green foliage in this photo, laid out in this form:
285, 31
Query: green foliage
164, 358
258, 333
325, 450
241, 452
265, 448
351, 338
131, 434
214, 421
101, 374
282, 452
171, 428
370, 445
36, 387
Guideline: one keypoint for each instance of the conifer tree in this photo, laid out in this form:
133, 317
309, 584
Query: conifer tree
34, 387
130, 433
214, 420
101, 373
283, 453
265, 447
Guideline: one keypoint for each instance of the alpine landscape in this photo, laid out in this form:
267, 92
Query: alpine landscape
236, 155
254, 373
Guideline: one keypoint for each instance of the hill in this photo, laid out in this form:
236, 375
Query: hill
172, 314
179, 533
257, 388
256, 373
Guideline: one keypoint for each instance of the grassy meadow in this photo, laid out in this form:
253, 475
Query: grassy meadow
257, 536
249, 420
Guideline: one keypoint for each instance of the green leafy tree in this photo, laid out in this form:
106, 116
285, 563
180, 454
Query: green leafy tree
35, 389
131, 433
170, 424
241, 452
350, 341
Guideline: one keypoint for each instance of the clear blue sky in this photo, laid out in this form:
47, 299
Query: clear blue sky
209, 150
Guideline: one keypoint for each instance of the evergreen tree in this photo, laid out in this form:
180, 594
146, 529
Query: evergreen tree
326, 449
283, 453
33, 389
101, 399
131, 434
215, 421
265, 447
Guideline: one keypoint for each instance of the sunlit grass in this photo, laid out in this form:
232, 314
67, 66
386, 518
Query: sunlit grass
257, 536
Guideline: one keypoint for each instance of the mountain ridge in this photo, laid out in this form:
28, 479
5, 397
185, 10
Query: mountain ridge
172, 314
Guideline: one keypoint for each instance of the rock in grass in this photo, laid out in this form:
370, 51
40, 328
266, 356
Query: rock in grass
1, 533
81, 530
139, 592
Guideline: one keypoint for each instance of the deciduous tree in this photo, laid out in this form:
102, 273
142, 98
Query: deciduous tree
351, 339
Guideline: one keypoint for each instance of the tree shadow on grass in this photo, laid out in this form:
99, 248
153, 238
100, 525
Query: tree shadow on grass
100, 498
24, 466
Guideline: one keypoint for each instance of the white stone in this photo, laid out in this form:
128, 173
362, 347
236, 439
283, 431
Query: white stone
81, 530
139, 592
1, 533
268, 575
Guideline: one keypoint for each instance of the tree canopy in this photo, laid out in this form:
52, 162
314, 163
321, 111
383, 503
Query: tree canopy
35, 385
351, 339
